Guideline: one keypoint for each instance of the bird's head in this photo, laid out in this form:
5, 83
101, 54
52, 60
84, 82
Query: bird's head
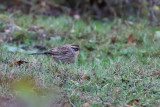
75, 48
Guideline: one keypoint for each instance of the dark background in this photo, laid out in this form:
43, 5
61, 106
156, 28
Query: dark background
97, 9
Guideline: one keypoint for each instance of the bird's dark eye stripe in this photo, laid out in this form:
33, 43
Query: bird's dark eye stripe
75, 49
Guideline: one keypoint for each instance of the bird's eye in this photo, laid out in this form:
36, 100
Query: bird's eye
75, 49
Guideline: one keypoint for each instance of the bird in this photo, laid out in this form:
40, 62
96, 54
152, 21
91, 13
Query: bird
64, 54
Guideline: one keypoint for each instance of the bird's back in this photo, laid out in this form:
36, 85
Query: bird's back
63, 54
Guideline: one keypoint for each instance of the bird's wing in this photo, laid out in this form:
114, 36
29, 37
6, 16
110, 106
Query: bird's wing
60, 50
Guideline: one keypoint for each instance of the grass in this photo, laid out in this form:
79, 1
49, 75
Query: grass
107, 72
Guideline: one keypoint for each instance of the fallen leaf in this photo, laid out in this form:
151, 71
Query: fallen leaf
89, 48
130, 38
113, 39
155, 74
128, 22
86, 104
17, 63
76, 16
132, 102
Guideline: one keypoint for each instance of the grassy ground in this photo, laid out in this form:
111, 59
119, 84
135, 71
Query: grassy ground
110, 70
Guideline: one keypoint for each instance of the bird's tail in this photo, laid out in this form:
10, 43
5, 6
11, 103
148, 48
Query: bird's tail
41, 53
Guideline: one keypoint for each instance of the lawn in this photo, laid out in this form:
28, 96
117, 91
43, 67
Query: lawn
119, 64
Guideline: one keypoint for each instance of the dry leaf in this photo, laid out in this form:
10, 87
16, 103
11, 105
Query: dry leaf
132, 101
86, 105
128, 22
17, 63
113, 39
89, 48
155, 74
130, 39
76, 16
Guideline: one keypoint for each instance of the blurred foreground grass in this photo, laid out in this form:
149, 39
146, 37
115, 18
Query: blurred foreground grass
119, 63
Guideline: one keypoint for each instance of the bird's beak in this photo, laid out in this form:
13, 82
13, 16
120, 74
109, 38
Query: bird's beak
80, 49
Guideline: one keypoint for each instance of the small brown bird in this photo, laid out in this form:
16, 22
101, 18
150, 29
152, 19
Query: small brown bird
66, 53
